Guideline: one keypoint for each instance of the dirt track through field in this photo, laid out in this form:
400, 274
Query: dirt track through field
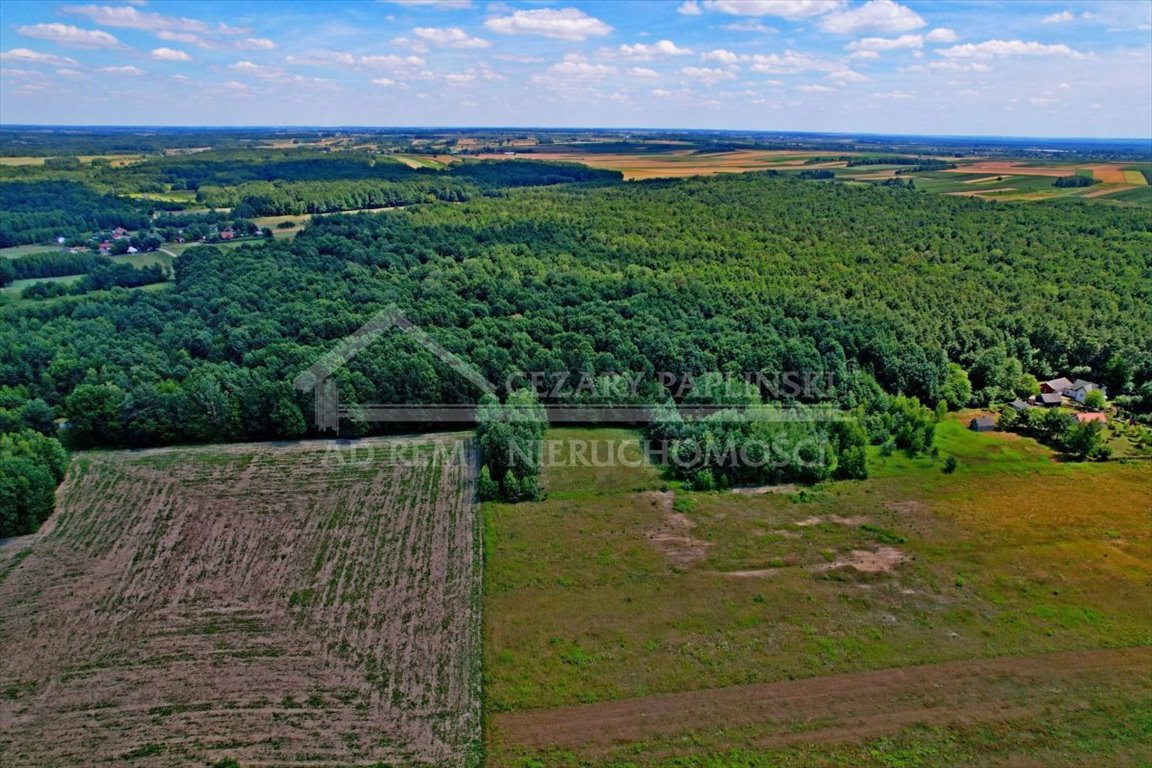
840, 708
272, 604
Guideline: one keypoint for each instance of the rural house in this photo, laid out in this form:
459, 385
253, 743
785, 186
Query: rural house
1056, 386
1085, 418
1048, 399
1019, 406
1079, 388
982, 424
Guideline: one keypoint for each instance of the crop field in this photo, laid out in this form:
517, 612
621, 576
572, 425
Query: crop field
305, 604
675, 161
992, 615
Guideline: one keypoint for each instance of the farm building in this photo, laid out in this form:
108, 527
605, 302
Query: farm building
1085, 418
1079, 388
1048, 399
1056, 386
1019, 406
982, 424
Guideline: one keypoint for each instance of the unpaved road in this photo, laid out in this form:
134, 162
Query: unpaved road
838, 708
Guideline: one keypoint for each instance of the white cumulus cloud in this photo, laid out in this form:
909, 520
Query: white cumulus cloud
1058, 18
27, 56
878, 16
169, 54
941, 35
385, 61
643, 52
559, 23
708, 75
721, 55
129, 70
991, 49
792, 10
449, 37
886, 43
255, 44
127, 17
66, 34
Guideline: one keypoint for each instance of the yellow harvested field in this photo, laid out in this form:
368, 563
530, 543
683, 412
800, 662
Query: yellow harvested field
1135, 178
983, 180
671, 164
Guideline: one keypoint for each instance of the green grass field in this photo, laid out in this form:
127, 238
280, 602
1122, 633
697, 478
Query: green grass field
17, 251
1014, 553
13, 289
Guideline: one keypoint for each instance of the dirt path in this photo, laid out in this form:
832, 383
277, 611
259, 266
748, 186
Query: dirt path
828, 709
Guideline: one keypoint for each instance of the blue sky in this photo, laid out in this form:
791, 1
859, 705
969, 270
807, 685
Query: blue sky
978, 67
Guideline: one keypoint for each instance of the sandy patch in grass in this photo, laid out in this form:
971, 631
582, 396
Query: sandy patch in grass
837, 519
759, 490
671, 536
882, 560
755, 574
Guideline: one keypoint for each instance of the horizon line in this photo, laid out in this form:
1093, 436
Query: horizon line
757, 131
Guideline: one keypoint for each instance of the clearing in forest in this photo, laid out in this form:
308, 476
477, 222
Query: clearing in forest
314, 603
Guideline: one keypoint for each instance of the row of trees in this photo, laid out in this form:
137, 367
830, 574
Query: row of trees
32, 462
41, 265
100, 278
509, 437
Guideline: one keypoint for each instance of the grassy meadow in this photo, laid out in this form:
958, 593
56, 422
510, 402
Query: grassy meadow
588, 599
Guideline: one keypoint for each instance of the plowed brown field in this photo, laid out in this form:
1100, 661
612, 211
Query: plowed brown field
295, 604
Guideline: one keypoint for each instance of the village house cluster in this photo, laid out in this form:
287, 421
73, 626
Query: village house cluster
1053, 393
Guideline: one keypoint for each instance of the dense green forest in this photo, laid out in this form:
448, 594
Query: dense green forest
749, 273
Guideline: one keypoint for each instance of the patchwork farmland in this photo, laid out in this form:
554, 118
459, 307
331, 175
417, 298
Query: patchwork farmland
304, 604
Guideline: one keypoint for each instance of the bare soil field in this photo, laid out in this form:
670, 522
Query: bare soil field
313, 603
